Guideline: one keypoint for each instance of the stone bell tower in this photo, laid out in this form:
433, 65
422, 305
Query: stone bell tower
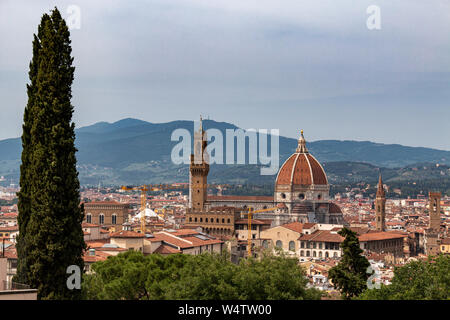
380, 207
432, 240
198, 171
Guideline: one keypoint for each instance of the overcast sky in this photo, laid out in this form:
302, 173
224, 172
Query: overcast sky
292, 65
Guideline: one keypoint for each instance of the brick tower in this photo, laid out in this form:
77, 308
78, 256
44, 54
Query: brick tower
199, 169
380, 205
432, 240
435, 210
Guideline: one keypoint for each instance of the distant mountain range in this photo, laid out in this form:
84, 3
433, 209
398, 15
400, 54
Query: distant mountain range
132, 151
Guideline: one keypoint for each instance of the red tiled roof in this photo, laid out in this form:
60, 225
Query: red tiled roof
382, 235
96, 243
165, 249
89, 225
99, 256
240, 198
334, 208
127, 234
294, 226
9, 229
254, 221
9, 215
322, 235
104, 202
182, 242
301, 169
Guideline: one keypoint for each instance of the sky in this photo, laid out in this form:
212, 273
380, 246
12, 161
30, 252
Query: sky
264, 64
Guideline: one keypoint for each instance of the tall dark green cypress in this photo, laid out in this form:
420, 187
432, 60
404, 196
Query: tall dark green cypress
350, 274
50, 216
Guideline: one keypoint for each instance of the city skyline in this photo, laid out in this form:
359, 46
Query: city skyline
290, 66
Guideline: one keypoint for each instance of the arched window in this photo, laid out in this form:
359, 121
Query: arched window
101, 218
279, 244
114, 218
190, 219
320, 254
283, 195
291, 245
302, 253
301, 196
206, 219
319, 197
326, 254
228, 220
89, 218
201, 219
314, 253
265, 244
307, 253
223, 220
335, 255
195, 219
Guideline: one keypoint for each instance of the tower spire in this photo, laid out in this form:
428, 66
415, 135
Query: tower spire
380, 209
301, 148
380, 190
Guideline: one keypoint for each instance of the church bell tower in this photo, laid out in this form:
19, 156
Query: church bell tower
380, 206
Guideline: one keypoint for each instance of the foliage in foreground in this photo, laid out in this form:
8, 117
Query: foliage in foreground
131, 275
50, 234
350, 275
417, 280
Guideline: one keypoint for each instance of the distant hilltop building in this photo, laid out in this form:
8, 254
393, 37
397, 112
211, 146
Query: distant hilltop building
301, 194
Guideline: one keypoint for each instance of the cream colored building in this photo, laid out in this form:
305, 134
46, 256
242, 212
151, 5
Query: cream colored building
445, 246
129, 240
284, 237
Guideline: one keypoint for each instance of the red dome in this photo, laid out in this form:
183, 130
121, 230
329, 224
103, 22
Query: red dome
301, 169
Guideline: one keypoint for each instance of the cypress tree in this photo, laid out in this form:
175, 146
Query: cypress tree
50, 234
350, 274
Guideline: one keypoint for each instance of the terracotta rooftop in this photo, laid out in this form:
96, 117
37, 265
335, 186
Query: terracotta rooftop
104, 203
89, 225
334, 208
127, 234
165, 249
301, 169
240, 198
376, 236
294, 226
254, 221
9, 229
322, 235
182, 242
308, 225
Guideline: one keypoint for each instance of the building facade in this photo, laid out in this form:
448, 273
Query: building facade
106, 213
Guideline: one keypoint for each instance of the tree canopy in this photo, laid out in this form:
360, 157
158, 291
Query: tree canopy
131, 275
417, 280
